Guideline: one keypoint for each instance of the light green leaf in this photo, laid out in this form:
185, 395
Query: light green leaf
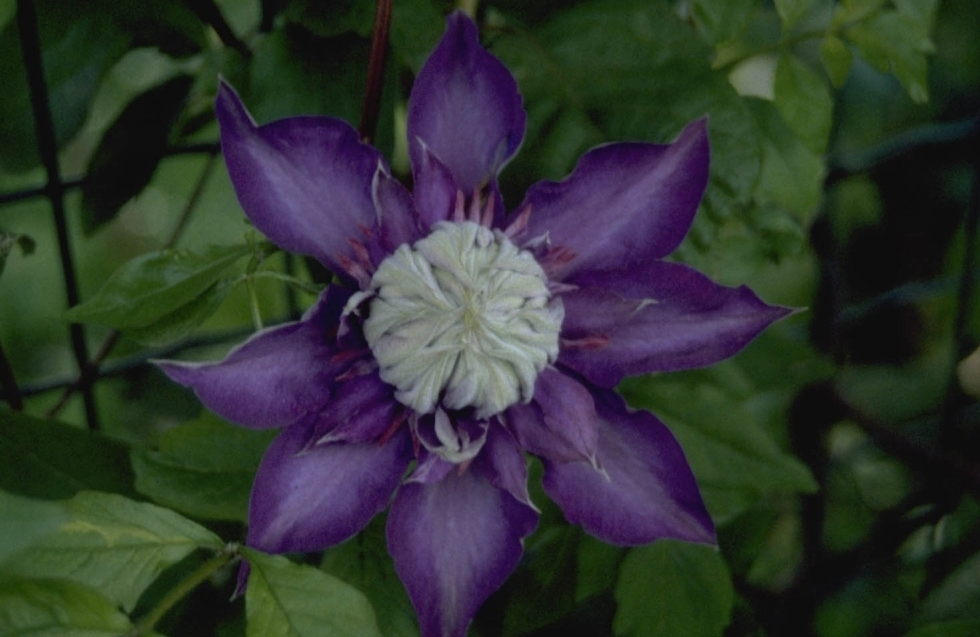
292, 600
898, 43
115, 545
53, 608
204, 468
922, 11
854, 10
804, 101
48, 459
722, 20
792, 11
153, 285
837, 59
669, 588
24, 520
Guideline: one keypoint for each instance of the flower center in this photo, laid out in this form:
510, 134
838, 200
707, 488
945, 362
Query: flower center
461, 319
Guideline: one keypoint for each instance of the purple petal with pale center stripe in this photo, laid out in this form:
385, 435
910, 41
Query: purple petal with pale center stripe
362, 410
278, 377
687, 321
643, 491
454, 542
308, 497
305, 182
623, 204
560, 423
465, 107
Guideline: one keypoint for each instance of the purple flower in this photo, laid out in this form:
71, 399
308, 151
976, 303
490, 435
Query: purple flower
459, 335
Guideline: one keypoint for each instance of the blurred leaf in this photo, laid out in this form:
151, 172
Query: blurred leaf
47, 459
956, 597
543, 592
837, 58
53, 607
669, 588
733, 458
853, 10
8, 9
947, 629
416, 26
364, 563
292, 600
922, 11
112, 544
10, 239
24, 520
804, 101
156, 284
721, 20
791, 11
327, 19
598, 566
128, 154
203, 468
898, 43
182, 321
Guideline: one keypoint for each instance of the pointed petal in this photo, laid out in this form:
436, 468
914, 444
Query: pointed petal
644, 490
688, 321
454, 542
465, 107
277, 377
396, 217
305, 182
362, 410
560, 423
624, 203
307, 498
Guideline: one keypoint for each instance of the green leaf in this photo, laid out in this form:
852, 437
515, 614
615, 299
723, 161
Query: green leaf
792, 11
112, 544
203, 468
153, 285
292, 600
722, 20
854, 10
47, 459
966, 628
10, 239
23, 520
957, 597
8, 9
804, 101
416, 26
128, 154
182, 321
327, 19
364, 563
51, 607
837, 59
672, 588
735, 461
898, 43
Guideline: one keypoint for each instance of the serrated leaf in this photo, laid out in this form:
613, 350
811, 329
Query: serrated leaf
896, 42
721, 20
131, 148
51, 608
792, 11
115, 545
837, 59
155, 284
292, 600
672, 588
203, 468
51, 460
804, 101
733, 458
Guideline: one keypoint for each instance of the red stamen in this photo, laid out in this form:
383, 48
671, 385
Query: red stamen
589, 342
519, 224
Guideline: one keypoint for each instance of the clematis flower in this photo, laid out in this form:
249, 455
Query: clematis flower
459, 337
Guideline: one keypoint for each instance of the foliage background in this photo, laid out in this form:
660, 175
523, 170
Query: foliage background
837, 454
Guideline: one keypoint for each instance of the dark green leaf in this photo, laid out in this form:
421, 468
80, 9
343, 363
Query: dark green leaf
48, 459
672, 588
957, 597
24, 520
52, 607
291, 600
792, 11
327, 19
948, 629
722, 20
203, 468
415, 29
804, 101
112, 544
10, 239
154, 285
127, 156
183, 320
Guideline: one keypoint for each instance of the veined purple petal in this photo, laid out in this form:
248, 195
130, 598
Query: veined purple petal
363, 409
308, 497
686, 321
644, 489
278, 377
454, 542
305, 182
623, 204
560, 423
465, 107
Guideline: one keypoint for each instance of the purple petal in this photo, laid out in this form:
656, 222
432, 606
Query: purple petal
397, 216
362, 409
502, 463
454, 542
465, 107
305, 182
644, 489
686, 321
435, 190
560, 423
307, 498
277, 377
623, 204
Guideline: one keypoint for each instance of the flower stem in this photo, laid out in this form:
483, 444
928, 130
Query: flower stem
371, 105
183, 589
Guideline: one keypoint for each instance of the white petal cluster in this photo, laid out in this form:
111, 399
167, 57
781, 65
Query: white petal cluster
461, 319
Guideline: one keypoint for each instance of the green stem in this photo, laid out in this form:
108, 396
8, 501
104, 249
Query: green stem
253, 301
183, 589
305, 286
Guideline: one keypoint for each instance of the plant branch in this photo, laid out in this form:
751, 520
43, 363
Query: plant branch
371, 105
